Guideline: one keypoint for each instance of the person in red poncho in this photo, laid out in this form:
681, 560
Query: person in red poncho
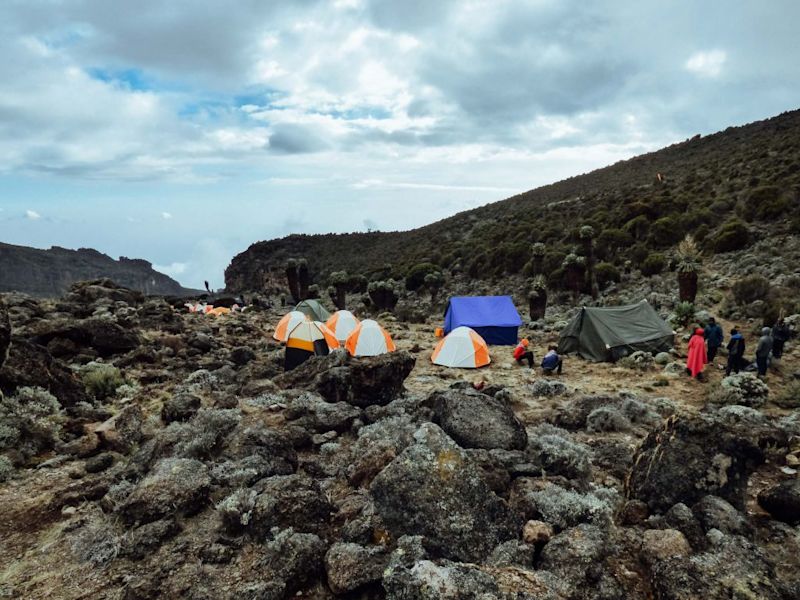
697, 357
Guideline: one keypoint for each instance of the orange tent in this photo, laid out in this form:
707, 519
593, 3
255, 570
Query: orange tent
369, 339
342, 323
463, 348
286, 324
220, 310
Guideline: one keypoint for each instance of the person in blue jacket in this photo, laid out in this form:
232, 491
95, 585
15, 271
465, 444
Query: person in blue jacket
735, 352
714, 338
552, 361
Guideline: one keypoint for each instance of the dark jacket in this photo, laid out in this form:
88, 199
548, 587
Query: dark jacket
781, 333
550, 361
764, 344
713, 333
736, 345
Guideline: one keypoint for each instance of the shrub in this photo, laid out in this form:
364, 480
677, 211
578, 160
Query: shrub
788, 398
742, 388
760, 202
30, 422
684, 313
666, 231
564, 508
415, 278
751, 288
606, 418
653, 264
101, 380
6, 468
733, 235
605, 274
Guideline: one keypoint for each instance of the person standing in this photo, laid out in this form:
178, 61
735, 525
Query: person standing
735, 352
697, 356
521, 352
763, 351
780, 334
714, 338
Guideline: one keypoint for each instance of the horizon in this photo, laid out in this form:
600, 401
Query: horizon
216, 129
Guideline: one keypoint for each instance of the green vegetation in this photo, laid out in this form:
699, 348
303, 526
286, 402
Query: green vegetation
653, 264
684, 313
605, 274
733, 235
101, 380
751, 288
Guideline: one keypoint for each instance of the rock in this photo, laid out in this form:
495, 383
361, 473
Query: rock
175, 485
741, 388
99, 463
782, 501
512, 553
181, 407
350, 566
606, 418
432, 489
536, 532
291, 561
145, 539
661, 544
475, 420
634, 512
294, 501
696, 456
662, 358
576, 558
241, 355
123, 431
715, 513
31, 365
548, 388
361, 381
201, 341
574, 413
312, 412
681, 518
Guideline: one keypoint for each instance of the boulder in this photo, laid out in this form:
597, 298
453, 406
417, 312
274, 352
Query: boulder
715, 513
31, 365
181, 407
174, 486
661, 544
294, 501
241, 355
312, 412
475, 420
433, 489
291, 560
692, 457
548, 388
103, 335
350, 566
782, 501
360, 381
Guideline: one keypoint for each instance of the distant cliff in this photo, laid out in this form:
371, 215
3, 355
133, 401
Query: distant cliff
51, 272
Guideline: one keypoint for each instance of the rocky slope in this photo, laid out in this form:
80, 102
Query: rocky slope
717, 187
172, 458
49, 273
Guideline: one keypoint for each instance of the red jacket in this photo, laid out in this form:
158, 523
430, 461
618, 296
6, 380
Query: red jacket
519, 351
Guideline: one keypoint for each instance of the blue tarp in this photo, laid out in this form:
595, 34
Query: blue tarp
494, 318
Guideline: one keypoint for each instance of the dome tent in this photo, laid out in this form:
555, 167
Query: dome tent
288, 322
463, 348
314, 310
342, 323
609, 333
308, 338
369, 339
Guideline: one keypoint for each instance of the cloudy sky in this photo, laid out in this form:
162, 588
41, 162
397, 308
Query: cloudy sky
182, 131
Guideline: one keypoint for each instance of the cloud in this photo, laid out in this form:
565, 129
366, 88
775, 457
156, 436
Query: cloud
707, 64
166, 215
32, 215
173, 270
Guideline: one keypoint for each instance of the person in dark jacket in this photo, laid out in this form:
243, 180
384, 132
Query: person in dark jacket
714, 338
780, 334
735, 352
552, 361
763, 351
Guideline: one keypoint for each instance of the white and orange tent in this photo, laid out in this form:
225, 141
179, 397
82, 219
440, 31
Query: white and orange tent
369, 339
461, 348
306, 339
342, 323
287, 323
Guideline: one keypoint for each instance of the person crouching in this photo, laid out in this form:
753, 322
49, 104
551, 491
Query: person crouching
522, 352
552, 361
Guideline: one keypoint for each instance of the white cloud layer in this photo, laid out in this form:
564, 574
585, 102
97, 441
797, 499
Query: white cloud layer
258, 121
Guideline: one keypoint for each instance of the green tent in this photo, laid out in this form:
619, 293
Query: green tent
606, 334
314, 310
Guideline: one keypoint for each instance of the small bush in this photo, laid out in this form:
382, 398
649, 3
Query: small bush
606, 418
789, 396
761, 203
684, 313
415, 278
742, 388
6, 468
101, 380
653, 264
565, 508
733, 235
639, 360
30, 422
605, 274
751, 288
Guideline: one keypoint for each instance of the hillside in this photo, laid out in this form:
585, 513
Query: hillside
49, 273
719, 187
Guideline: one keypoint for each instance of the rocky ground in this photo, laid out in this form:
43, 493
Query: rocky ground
149, 453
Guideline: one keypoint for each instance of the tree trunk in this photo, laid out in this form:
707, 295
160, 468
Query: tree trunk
687, 286
291, 278
538, 305
302, 271
341, 297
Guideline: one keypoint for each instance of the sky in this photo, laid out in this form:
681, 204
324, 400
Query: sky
183, 131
